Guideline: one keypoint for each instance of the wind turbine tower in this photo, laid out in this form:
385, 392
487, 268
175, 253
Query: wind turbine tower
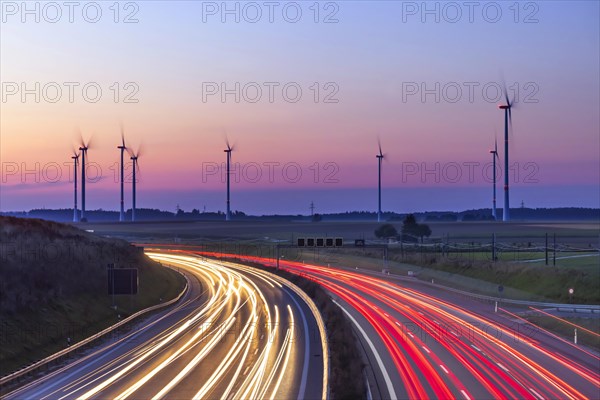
75, 158
228, 151
380, 158
134, 159
83, 148
122, 148
494, 156
507, 120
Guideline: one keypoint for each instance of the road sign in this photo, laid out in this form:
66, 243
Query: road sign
122, 281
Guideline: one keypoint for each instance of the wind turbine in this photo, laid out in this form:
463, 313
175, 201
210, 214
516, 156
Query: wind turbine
134, 159
380, 158
507, 120
83, 148
75, 158
494, 156
228, 151
122, 147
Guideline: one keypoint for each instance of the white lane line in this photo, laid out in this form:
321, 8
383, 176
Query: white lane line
476, 348
302, 390
539, 396
246, 370
386, 314
465, 394
426, 349
255, 351
444, 368
384, 372
502, 366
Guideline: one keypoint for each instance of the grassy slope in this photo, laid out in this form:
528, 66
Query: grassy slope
53, 286
566, 331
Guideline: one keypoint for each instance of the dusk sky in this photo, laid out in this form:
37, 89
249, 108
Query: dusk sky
366, 70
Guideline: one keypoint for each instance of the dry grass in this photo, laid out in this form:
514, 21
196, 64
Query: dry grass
53, 285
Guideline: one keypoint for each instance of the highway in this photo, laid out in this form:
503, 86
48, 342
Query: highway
423, 342
238, 333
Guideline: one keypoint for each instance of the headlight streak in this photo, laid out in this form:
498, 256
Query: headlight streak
288, 344
232, 288
503, 370
253, 380
139, 360
138, 351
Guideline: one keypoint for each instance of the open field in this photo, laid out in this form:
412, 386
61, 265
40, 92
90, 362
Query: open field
461, 267
583, 235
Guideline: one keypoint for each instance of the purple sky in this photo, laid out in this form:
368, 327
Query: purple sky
185, 73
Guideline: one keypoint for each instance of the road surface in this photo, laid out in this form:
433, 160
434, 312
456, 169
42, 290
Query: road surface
238, 333
423, 342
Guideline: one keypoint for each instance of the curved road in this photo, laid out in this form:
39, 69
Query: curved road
423, 342
237, 334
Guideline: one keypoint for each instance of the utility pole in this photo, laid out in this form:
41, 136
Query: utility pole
312, 209
554, 254
546, 249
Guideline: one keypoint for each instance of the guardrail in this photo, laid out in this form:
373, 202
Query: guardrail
56, 356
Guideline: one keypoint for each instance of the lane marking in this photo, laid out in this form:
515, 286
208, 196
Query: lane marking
384, 372
539, 396
476, 348
246, 370
465, 394
426, 349
502, 366
302, 390
444, 368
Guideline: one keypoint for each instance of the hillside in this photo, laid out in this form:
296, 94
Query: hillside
53, 285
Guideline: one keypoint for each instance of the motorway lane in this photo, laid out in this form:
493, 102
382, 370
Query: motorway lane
436, 346
238, 333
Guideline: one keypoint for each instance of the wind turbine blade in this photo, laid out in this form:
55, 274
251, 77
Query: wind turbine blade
226, 137
140, 149
81, 141
379, 144
122, 135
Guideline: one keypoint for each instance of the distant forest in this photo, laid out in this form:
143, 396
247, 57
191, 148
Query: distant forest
484, 214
